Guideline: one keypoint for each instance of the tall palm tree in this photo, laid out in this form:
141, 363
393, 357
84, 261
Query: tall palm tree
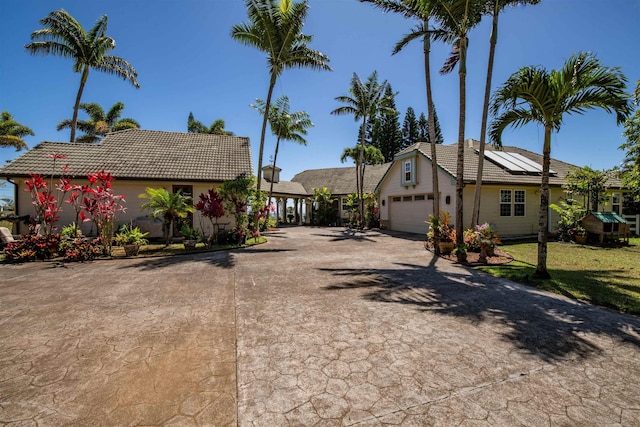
365, 101
168, 206
63, 36
492, 8
12, 132
275, 28
459, 16
536, 95
284, 125
216, 128
422, 12
99, 123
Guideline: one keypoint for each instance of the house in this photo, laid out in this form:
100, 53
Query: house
190, 162
341, 182
510, 188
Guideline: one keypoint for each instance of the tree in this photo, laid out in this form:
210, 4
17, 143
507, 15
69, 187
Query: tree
63, 36
168, 206
275, 28
422, 11
588, 183
423, 128
365, 101
99, 123
410, 129
216, 128
12, 132
386, 135
631, 163
284, 125
535, 95
492, 8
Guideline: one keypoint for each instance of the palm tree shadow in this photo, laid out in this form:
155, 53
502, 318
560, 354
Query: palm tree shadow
543, 325
222, 259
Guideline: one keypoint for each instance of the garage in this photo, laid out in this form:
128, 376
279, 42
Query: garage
408, 213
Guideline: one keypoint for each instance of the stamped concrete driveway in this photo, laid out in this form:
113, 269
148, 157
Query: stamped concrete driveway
317, 327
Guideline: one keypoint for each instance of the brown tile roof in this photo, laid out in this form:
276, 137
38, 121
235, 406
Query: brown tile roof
285, 187
493, 173
144, 154
341, 180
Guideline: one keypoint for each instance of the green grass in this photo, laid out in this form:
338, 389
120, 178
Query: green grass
158, 249
606, 276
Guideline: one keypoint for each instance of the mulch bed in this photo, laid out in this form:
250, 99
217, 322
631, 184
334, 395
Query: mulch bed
473, 258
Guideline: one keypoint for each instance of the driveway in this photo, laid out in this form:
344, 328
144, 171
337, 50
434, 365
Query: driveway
316, 327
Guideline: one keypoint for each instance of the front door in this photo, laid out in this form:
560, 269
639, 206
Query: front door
186, 190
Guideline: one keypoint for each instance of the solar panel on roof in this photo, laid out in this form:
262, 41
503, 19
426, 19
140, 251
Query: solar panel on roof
515, 162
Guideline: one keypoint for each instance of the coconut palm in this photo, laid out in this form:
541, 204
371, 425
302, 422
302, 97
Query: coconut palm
422, 12
365, 101
99, 123
168, 206
275, 27
12, 132
536, 95
284, 125
63, 36
492, 8
216, 128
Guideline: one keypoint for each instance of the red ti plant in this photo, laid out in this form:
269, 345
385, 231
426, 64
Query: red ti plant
211, 205
102, 205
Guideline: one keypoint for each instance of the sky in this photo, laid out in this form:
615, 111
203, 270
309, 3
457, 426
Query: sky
187, 62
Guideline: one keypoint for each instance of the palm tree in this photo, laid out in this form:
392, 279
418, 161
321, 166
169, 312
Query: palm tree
365, 101
284, 125
422, 12
12, 132
533, 94
216, 128
99, 123
492, 8
275, 27
168, 206
63, 36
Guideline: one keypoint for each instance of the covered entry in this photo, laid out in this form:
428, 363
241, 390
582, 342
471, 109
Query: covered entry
408, 213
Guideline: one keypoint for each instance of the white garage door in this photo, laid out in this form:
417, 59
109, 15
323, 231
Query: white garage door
409, 213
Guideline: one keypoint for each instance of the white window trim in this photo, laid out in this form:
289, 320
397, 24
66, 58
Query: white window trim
512, 203
412, 172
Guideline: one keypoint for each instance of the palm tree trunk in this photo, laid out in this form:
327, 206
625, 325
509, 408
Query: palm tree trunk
475, 216
460, 162
76, 106
543, 223
432, 123
360, 168
275, 158
267, 104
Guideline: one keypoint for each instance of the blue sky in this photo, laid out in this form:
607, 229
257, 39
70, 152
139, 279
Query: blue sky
187, 61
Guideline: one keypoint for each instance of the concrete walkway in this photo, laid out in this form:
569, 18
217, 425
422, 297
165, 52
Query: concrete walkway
317, 327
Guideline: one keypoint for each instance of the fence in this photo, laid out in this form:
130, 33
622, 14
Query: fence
634, 223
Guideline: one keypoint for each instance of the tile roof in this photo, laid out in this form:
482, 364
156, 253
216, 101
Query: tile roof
492, 172
285, 187
341, 180
144, 154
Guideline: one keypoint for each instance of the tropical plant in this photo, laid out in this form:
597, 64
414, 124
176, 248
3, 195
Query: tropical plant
238, 193
63, 36
275, 28
190, 233
440, 228
129, 235
216, 128
492, 8
535, 95
631, 163
365, 101
99, 123
570, 213
325, 212
211, 206
168, 206
12, 132
372, 156
284, 125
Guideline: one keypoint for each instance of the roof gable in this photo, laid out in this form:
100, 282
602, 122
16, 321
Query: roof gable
341, 180
144, 154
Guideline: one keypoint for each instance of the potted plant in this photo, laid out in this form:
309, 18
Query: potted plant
191, 236
487, 238
130, 238
441, 232
580, 235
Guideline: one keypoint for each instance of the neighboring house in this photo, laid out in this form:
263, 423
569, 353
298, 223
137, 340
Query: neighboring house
510, 188
137, 159
341, 182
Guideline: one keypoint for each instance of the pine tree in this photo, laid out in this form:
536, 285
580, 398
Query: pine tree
386, 134
423, 128
410, 129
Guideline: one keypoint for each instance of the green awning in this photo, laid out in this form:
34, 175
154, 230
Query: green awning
609, 217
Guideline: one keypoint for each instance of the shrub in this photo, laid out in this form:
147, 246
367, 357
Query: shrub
32, 247
81, 249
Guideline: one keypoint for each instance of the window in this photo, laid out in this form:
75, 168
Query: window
345, 208
407, 171
397, 199
408, 176
420, 197
407, 198
615, 203
512, 202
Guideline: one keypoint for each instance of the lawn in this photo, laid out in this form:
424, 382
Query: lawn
159, 249
606, 276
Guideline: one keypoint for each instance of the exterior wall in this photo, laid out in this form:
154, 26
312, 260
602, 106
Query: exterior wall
413, 212
130, 190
